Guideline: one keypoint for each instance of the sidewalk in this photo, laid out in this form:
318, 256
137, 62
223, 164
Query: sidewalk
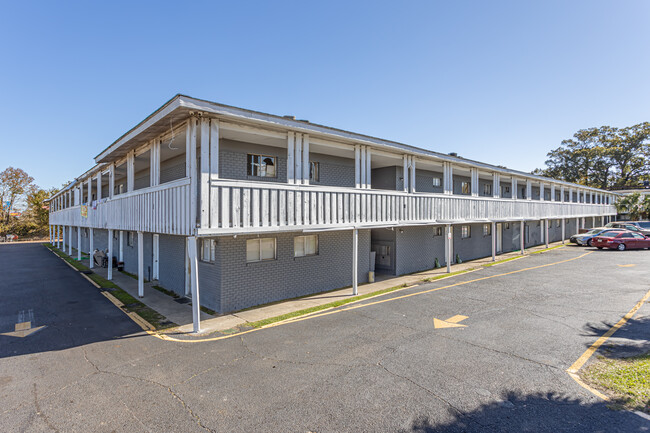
181, 314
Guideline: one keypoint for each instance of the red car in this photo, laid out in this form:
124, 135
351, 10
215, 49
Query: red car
621, 241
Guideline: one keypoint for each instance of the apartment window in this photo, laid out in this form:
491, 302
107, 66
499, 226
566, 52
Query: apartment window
559, 223
487, 229
261, 165
523, 193
305, 246
437, 231
258, 250
115, 232
465, 232
129, 238
208, 250
506, 190
436, 181
506, 226
465, 187
314, 171
487, 189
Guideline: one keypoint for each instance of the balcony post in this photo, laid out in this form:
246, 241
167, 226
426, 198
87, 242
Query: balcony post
563, 230
297, 170
541, 191
111, 181
448, 247
120, 251
541, 230
154, 163
362, 162
553, 192
290, 157
474, 182
412, 174
513, 188
355, 260
496, 185
140, 264
99, 186
368, 168
63, 240
79, 243
130, 171
522, 226
110, 255
70, 241
546, 232
448, 178
91, 248
494, 241
194, 283
305, 159
204, 178
405, 172
529, 190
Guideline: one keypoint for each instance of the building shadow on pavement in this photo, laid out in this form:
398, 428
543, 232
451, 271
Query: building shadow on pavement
518, 412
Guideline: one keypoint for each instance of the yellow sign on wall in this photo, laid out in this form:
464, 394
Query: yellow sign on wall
84, 211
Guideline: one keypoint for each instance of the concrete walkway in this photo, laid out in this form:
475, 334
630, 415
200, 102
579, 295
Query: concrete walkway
181, 314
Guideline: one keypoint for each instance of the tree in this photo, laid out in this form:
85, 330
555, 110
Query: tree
14, 183
635, 205
37, 210
602, 157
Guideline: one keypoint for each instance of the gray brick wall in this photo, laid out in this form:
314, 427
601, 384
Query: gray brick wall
334, 171
505, 194
131, 254
473, 247
458, 180
141, 179
172, 169
417, 248
246, 284
424, 181
171, 263
384, 178
233, 160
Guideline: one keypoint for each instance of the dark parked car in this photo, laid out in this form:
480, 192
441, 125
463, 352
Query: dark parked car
621, 241
585, 239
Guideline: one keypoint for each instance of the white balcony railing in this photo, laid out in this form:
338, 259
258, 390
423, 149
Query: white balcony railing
159, 209
249, 207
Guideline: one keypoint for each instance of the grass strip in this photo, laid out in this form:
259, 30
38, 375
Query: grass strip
451, 274
546, 249
131, 304
334, 304
166, 292
627, 380
487, 265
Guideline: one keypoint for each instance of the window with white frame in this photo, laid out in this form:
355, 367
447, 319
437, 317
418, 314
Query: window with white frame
487, 229
487, 189
465, 187
129, 238
437, 231
559, 223
465, 232
261, 165
436, 181
506, 190
506, 226
305, 246
314, 171
258, 250
208, 250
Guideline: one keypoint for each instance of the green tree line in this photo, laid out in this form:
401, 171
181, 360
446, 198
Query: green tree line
23, 208
602, 157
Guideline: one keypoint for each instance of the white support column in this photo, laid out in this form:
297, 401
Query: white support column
290, 157
355, 260
563, 230
91, 247
368, 168
546, 232
412, 175
541, 191
70, 242
494, 241
522, 240
582, 225
99, 186
474, 182
562, 199
140, 264
204, 177
553, 192
130, 171
305, 159
357, 166
62, 248
593, 222
110, 254
448, 247
405, 172
529, 190
154, 163
496, 185
363, 167
191, 155
120, 256
194, 283
214, 151
513, 188
570, 195
111, 181
90, 191
297, 168
542, 231
156, 256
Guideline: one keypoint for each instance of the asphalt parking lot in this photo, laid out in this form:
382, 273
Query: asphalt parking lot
380, 365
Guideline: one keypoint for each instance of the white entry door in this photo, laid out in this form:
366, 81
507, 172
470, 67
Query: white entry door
499, 238
156, 256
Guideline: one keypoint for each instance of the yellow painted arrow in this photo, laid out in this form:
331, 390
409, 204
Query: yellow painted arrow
627, 266
23, 329
452, 322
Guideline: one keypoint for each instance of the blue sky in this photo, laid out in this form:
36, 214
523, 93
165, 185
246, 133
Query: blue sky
502, 82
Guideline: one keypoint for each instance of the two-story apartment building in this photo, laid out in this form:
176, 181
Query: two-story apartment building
247, 208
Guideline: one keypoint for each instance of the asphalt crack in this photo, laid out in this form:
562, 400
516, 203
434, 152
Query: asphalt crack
40, 413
